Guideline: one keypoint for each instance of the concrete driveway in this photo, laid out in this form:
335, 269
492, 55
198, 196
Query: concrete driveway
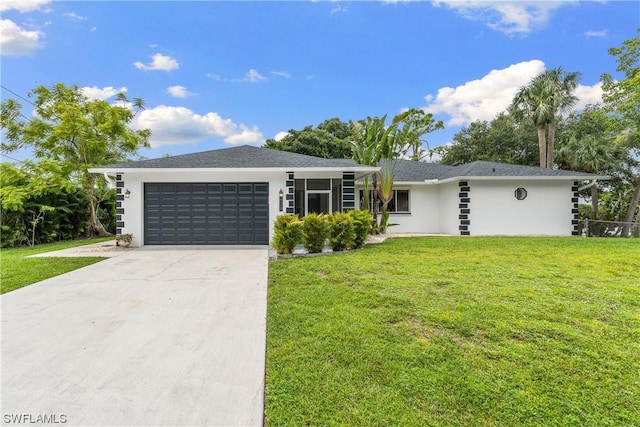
154, 336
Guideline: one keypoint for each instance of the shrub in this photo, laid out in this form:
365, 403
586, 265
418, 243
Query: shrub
362, 221
342, 234
287, 233
314, 232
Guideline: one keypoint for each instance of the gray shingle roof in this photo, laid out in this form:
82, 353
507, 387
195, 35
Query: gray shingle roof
484, 169
412, 171
247, 156
244, 156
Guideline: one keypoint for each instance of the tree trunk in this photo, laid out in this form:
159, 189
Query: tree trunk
635, 200
594, 200
375, 202
95, 223
542, 146
551, 145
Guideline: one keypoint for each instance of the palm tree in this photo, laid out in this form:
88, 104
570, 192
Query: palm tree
549, 94
590, 154
376, 142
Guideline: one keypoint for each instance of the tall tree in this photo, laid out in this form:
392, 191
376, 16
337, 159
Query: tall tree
622, 97
412, 125
501, 140
77, 133
549, 94
330, 139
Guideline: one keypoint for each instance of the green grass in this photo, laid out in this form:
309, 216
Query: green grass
457, 331
18, 271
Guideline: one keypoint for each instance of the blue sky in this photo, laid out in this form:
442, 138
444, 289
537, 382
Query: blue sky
218, 74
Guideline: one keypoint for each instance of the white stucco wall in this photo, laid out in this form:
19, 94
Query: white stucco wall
425, 214
545, 211
448, 207
434, 208
134, 182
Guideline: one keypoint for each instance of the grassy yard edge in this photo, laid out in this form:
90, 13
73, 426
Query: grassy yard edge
17, 271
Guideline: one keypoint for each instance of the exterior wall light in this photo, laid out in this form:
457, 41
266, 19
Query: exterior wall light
127, 194
281, 199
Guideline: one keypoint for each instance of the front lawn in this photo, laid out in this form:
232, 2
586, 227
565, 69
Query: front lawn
17, 271
457, 331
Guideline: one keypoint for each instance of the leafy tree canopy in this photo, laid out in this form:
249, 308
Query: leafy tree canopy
76, 133
622, 98
330, 139
412, 125
501, 140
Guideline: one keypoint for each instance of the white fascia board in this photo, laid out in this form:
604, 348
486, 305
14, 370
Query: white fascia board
425, 182
525, 178
113, 171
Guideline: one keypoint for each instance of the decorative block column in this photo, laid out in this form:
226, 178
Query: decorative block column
465, 210
290, 194
119, 200
348, 191
574, 210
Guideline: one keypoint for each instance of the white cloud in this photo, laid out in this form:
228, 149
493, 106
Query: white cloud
76, 16
246, 135
588, 95
593, 33
94, 92
519, 17
22, 6
284, 74
17, 41
280, 135
213, 76
179, 125
158, 62
178, 91
482, 99
252, 76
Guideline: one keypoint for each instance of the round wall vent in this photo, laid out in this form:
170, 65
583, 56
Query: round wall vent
521, 193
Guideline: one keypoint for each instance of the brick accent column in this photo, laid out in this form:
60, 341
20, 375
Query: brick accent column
464, 206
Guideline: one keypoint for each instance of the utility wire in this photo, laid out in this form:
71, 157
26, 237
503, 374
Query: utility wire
19, 96
10, 158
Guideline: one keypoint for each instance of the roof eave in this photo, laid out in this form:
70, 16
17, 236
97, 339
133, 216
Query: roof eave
530, 178
359, 169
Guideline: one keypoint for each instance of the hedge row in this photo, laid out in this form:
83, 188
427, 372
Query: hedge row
341, 230
67, 220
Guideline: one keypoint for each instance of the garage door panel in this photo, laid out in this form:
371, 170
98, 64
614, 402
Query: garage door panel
261, 188
206, 213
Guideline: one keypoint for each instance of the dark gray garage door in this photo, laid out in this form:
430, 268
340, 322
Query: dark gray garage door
206, 213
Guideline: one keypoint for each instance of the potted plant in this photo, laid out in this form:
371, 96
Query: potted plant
124, 240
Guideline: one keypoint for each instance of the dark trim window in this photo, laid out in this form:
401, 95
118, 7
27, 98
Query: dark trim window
319, 195
398, 204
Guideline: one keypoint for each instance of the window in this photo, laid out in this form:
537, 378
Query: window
398, 204
318, 195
